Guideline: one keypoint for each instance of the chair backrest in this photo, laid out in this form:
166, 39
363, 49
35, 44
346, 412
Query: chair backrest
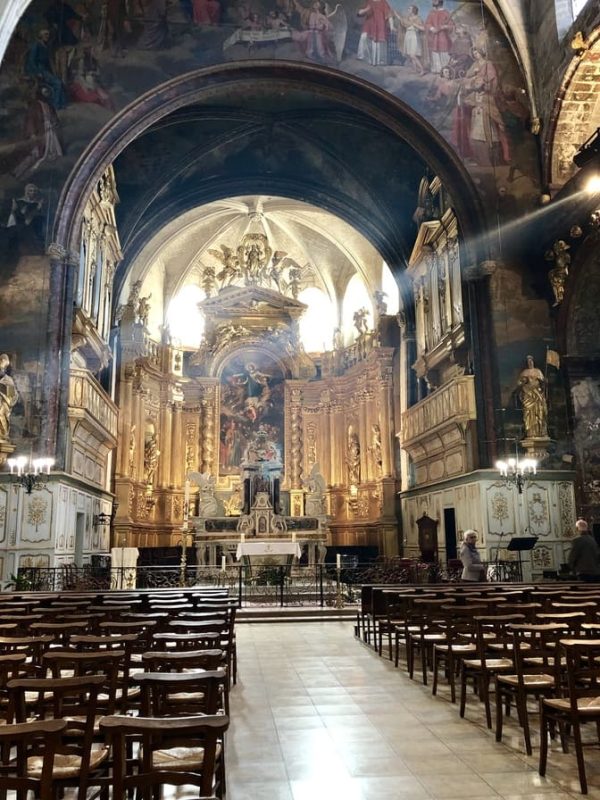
21, 742
573, 619
168, 694
581, 678
496, 630
163, 734
535, 649
33, 646
169, 661
104, 663
186, 641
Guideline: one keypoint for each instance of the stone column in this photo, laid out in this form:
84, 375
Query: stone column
55, 384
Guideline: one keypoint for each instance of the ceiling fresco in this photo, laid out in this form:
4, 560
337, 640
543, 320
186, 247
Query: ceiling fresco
71, 66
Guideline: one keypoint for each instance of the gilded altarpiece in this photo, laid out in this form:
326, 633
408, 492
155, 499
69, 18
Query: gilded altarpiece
251, 374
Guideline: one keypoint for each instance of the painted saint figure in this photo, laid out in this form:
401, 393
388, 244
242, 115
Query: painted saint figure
533, 400
439, 27
373, 42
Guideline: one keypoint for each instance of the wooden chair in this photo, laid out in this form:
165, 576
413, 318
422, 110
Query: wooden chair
536, 667
189, 661
424, 626
460, 634
174, 752
578, 700
27, 762
170, 694
491, 630
74, 700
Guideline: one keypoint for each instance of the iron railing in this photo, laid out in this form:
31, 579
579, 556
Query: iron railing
261, 584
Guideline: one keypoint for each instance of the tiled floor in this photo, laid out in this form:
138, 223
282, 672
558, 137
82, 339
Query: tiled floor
316, 715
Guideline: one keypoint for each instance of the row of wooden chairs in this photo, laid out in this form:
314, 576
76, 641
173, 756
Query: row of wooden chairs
547, 651
80, 686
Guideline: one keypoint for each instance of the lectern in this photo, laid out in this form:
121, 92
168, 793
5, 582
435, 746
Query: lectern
522, 544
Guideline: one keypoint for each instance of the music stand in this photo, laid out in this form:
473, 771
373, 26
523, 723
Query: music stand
520, 544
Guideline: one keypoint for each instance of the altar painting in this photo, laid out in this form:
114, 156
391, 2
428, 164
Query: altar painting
252, 387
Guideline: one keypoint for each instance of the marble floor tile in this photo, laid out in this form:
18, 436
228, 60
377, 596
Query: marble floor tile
317, 715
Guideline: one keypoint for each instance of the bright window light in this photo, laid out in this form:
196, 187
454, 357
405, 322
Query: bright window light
318, 321
356, 297
390, 287
185, 320
592, 185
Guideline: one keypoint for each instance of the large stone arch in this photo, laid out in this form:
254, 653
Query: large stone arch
358, 94
576, 113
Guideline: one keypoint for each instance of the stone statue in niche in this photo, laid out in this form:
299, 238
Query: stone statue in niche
353, 457
8, 396
315, 487
208, 504
532, 394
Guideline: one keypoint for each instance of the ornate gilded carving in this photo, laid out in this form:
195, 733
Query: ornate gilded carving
353, 457
533, 400
254, 263
190, 447
296, 438
311, 444
560, 272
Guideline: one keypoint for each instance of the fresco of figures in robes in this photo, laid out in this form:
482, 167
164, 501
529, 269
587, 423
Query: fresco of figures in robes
71, 64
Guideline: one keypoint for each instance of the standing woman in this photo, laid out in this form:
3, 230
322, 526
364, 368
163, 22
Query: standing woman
473, 568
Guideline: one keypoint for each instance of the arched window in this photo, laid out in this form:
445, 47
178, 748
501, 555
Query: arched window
567, 12
184, 318
390, 287
318, 321
356, 298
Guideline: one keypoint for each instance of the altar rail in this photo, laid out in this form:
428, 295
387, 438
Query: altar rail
261, 584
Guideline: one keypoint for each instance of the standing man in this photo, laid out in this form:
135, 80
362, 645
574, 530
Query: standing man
438, 27
584, 558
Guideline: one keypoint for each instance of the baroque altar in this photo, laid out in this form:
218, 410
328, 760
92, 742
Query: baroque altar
260, 523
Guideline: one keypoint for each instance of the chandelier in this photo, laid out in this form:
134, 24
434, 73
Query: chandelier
517, 472
30, 473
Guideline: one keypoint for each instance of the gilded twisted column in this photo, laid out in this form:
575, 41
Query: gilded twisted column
208, 433
296, 438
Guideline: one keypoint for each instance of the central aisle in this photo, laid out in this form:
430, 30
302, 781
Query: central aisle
318, 716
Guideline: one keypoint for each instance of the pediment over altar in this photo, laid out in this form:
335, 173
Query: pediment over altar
251, 302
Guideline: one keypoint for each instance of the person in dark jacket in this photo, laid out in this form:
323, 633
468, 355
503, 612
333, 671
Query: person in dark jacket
584, 558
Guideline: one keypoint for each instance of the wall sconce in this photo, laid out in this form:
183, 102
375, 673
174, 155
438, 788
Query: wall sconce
517, 472
34, 476
100, 520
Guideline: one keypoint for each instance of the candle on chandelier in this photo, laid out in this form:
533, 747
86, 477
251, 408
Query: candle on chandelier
223, 563
338, 561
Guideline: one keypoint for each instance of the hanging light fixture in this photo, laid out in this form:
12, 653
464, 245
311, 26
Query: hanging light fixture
30, 473
517, 472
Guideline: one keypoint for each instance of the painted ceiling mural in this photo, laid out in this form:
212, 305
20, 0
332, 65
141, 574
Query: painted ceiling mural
71, 65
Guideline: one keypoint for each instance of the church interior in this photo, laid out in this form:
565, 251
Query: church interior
380, 259
311, 274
